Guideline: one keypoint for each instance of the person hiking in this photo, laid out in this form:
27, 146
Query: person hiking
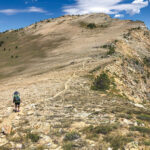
16, 101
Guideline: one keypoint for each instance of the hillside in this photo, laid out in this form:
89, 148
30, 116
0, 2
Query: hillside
55, 65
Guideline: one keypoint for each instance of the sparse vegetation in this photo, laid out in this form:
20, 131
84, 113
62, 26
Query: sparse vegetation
1, 43
34, 137
147, 142
91, 26
68, 146
140, 129
127, 116
48, 20
41, 148
101, 82
146, 61
144, 117
71, 136
127, 35
103, 25
93, 132
118, 141
111, 48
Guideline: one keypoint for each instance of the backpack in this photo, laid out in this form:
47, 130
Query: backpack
16, 97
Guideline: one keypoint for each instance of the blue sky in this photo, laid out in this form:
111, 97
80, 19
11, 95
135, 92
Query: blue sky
20, 13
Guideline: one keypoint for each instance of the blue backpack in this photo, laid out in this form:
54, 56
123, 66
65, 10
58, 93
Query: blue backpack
16, 97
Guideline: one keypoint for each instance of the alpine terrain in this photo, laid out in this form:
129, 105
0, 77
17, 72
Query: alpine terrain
84, 83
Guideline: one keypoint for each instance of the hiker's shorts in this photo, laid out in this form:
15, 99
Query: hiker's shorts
17, 104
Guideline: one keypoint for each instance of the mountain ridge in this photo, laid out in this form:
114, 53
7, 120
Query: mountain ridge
56, 66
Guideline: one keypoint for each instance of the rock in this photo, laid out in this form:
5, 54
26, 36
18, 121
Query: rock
139, 105
30, 113
132, 146
127, 122
16, 136
6, 129
45, 140
19, 146
42, 127
3, 141
135, 124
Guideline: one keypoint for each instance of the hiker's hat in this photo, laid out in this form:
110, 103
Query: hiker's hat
16, 93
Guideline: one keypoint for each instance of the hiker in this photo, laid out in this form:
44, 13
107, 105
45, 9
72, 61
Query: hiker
16, 101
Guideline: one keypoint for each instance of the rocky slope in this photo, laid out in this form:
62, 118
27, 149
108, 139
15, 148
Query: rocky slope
54, 63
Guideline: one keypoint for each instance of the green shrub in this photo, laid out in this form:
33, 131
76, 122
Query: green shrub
1, 43
147, 143
118, 141
144, 117
40, 148
105, 46
101, 82
91, 25
111, 48
146, 61
34, 137
127, 116
71, 136
93, 132
136, 62
68, 146
140, 129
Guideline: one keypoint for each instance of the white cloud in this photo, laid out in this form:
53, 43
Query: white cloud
119, 16
27, 10
105, 6
35, 9
30, 1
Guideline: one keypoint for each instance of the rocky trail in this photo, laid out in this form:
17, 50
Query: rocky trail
72, 108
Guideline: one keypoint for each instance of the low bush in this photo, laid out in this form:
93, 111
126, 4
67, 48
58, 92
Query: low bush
93, 132
101, 82
1, 43
111, 48
140, 129
68, 146
147, 143
71, 136
91, 26
144, 117
34, 137
118, 141
146, 61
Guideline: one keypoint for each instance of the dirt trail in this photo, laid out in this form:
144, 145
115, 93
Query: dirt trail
7, 123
